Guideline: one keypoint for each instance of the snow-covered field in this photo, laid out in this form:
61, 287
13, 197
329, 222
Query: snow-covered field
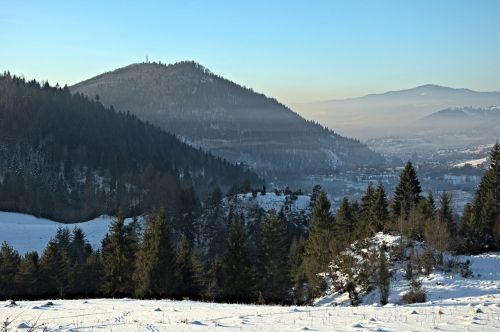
454, 304
464, 314
27, 233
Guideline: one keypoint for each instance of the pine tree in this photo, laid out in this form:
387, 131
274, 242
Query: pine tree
318, 248
155, 271
79, 249
238, 281
406, 198
297, 274
118, 261
383, 277
91, 275
184, 269
214, 281
9, 264
199, 272
367, 216
425, 214
482, 227
54, 270
213, 230
274, 283
27, 277
445, 213
381, 211
344, 223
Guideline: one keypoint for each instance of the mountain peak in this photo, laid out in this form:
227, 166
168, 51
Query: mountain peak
227, 119
430, 86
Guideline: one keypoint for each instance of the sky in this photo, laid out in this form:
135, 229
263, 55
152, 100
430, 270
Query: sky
295, 51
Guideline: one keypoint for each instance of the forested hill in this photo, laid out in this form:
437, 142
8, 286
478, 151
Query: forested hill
225, 118
69, 158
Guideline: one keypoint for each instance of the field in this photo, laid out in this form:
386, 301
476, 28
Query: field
464, 314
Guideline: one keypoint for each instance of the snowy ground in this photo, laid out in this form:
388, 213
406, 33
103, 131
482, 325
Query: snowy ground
465, 314
27, 233
455, 304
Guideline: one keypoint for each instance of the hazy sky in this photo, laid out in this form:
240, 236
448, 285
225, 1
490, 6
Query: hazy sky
296, 51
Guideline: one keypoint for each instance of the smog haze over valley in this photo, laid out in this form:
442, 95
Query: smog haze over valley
308, 154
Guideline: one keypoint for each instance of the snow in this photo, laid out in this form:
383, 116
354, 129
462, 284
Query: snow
440, 286
271, 201
473, 162
472, 314
27, 233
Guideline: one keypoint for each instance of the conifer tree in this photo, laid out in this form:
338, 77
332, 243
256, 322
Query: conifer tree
381, 211
445, 213
78, 251
91, 275
27, 277
406, 198
155, 270
54, 270
214, 281
482, 227
118, 261
199, 283
297, 272
274, 282
214, 230
9, 264
383, 277
344, 223
367, 216
238, 279
318, 247
424, 215
184, 269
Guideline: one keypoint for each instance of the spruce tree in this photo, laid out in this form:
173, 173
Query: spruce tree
9, 264
118, 261
28, 274
184, 269
406, 198
482, 227
78, 251
297, 273
381, 210
319, 246
199, 283
274, 282
383, 276
367, 216
155, 270
344, 223
54, 270
238, 279
214, 281
91, 275
445, 213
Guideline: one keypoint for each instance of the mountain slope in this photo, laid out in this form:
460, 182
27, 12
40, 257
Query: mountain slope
231, 121
68, 158
377, 115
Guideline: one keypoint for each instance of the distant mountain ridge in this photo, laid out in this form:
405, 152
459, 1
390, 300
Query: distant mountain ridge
469, 113
385, 114
475, 122
225, 118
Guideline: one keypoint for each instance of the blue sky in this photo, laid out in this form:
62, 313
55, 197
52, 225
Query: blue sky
296, 51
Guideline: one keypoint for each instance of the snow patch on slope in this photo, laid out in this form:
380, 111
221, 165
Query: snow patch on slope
28, 233
439, 285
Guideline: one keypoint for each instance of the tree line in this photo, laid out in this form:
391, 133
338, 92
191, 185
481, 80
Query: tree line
242, 262
67, 157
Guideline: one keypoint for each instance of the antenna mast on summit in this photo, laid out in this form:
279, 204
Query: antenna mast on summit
147, 60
